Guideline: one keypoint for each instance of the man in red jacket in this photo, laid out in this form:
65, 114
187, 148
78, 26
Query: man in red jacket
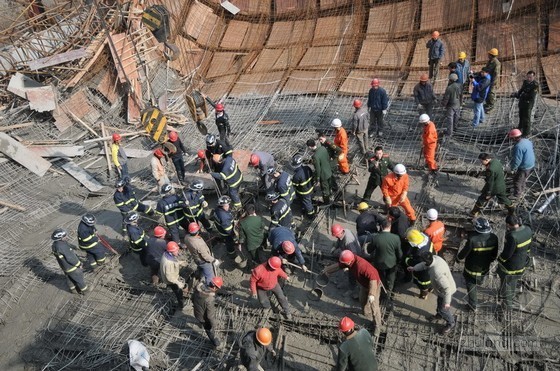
264, 279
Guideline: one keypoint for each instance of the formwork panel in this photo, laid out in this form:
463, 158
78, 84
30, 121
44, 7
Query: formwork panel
358, 82
235, 34
440, 14
320, 56
190, 56
218, 87
322, 81
278, 58
375, 53
331, 30
554, 30
515, 37
290, 33
493, 9
260, 84
330, 4
392, 20
293, 6
203, 25
551, 67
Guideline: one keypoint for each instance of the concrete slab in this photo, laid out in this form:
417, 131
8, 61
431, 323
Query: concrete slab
82, 176
22, 155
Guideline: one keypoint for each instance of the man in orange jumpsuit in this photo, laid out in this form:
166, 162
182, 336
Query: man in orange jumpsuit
429, 142
395, 191
341, 141
436, 230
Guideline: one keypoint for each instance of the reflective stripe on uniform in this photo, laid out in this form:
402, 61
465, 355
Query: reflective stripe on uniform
475, 274
140, 239
503, 269
522, 244
87, 246
484, 248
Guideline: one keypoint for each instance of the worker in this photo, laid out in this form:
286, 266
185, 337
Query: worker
357, 352
223, 221
463, 70
435, 230
195, 204
494, 68
424, 95
253, 347
217, 147
494, 186
395, 191
177, 155
252, 233
436, 51
522, 161
367, 223
232, 176
360, 124
429, 142
345, 240
262, 161
513, 259
171, 207
137, 238
378, 104
303, 184
419, 244
125, 199
204, 307
527, 96
332, 149
222, 122
480, 250
452, 66
202, 255
323, 170
170, 267
155, 249
159, 166
284, 245
341, 141
202, 163
120, 160
385, 253
283, 185
399, 226
264, 280
444, 285
68, 261
451, 101
280, 212
89, 242
480, 90
378, 166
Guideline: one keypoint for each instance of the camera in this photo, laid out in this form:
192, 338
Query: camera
471, 75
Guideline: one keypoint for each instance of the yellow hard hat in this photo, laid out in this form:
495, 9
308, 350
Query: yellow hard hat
362, 206
414, 237
462, 55
493, 52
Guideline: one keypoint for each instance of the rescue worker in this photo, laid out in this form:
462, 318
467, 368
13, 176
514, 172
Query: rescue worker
494, 68
222, 122
177, 155
136, 237
223, 221
303, 184
120, 160
435, 230
203, 166
360, 124
424, 95
195, 204
522, 161
159, 165
262, 161
494, 186
280, 212
125, 199
480, 250
217, 147
323, 170
367, 223
283, 185
481, 87
513, 259
201, 253
357, 352
204, 307
463, 71
253, 346
231, 175
444, 284
378, 104
345, 240
264, 281
429, 142
341, 141
385, 253
285, 246
68, 261
399, 226
451, 101
154, 251
436, 51
171, 207
527, 96
170, 267
419, 243
378, 166
252, 233
89, 242
332, 149
395, 191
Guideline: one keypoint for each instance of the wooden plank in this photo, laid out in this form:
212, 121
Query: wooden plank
82, 176
19, 153
98, 44
12, 205
391, 19
58, 151
53, 60
16, 126
106, 151
123, 54
133, 152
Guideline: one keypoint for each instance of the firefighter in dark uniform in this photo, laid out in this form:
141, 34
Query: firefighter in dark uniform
526, 95
367, 223
137, 237
177, 155
379, 166
216, 147
125, 199
171, 207
480, 250
280, 212
232, 176
223, 221
514, 257
284, 186
204, 307
68, 261
303, 184
222, 122
495, 185
419, 243
88, 241
195, 204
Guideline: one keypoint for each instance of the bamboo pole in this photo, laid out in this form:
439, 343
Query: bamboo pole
107, 156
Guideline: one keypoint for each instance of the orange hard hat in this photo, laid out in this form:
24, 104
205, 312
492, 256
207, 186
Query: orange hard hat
193, 228
264, 336
116, 137
357, 103
218, 282
159, 232
346, 324
172, 246
346, 257
288, 247
424, 77
201, 154
337, 230
514, 133
158, 153
173, 136
274, 262
435, 34
375, 82
219, 107
254, 160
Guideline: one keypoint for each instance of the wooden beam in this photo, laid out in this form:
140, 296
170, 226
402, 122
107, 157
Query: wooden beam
53, 60
16, 126
82, 123
22, 155
110, 137
82, 176
11, 205
106, 150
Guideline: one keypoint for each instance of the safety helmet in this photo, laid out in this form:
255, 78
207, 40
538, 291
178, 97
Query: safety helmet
493, 52
88, 219
116, 137
415, 237
288, 247
196, 185
274, 262
264, 336
453, 77
224, 200
58, 234
120, 183
297, 160
272, 196
363, 206
399, 169
210, 139
424, 77
357, 103
217, 282
158, 153
375, 82
514, 133
201, 154
346, 257
172, 246
159, 232
482, 225
432, 214
217, 157
193, 228
219, 107
254, 160
435, 34
462, 55
166, 188
336, 123
173, 136
337, 230
131, 218
270, 170
346, 324
423, 118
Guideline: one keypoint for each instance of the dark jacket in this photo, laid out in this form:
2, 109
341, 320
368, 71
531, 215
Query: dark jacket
179, 149
193, 204
527, 93
219, 148
495, 179
360, 120
230, 173
368, 222
137, 237
357, 353
252, 232
495, 68
280, 234
303, 180
424, 93
436, 50
385, 250
378, 100
462, 71
126, 200
281, 214
251, 351
481, 87
222, 122
514, 256
479, 252
65, 256
323, 170
87, 236
203, 304
379, 168
154, 251
285, 187
223, 220
452, 96
171, 207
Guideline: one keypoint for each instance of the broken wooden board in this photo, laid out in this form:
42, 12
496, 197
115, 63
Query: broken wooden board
133, 153
82, 176
58, 151
19, 84
22, 155
42, 99
77, 104
53, 60
124, 56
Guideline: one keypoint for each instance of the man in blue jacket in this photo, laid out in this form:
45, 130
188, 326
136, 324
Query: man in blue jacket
522, 161
378, 103
481, 86
435, 54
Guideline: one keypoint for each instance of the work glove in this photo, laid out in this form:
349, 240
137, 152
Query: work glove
410, 269
346, 269
341, 156
288, 278
387, 200
402, 198
420, 106
370, 299
304, 268
487, 197
204, 204
216, 263
285, 261
254, 296
384, 112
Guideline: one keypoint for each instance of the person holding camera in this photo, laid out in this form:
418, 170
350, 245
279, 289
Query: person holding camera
481, 86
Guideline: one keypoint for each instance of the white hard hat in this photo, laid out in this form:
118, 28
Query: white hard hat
399, 169
432, 214
336, 123
424, 118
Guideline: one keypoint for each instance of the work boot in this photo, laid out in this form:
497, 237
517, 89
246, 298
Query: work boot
212, 336
423, 294
447, 329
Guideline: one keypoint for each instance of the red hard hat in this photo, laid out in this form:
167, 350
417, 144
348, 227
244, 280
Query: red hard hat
254, 160
288, 247
346, 257
514, 133
264, 336
172, 246
160, 232
274, 262
173, 136
158, 153
116, 137
337, 230
218, 282
219, 107
346, 324
357, 103
193, 228
375, 82
201, 154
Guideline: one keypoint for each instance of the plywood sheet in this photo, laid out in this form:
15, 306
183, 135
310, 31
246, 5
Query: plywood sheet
259, 84
225, 64
551, 67
391, 20
82, 176
329, 4
358, 82
217, 87
278, 59
519, 35
376, 53
107, 86
22, 155
291, 33
20, 83
53, 60
58, 151
203, 25
190, 56
124, 55
554, 30
321, 81
330, 30
444, 14
453, 42
79, 105
42, 99
294, 6
432, 15
321, 56
235, 34
491, 8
